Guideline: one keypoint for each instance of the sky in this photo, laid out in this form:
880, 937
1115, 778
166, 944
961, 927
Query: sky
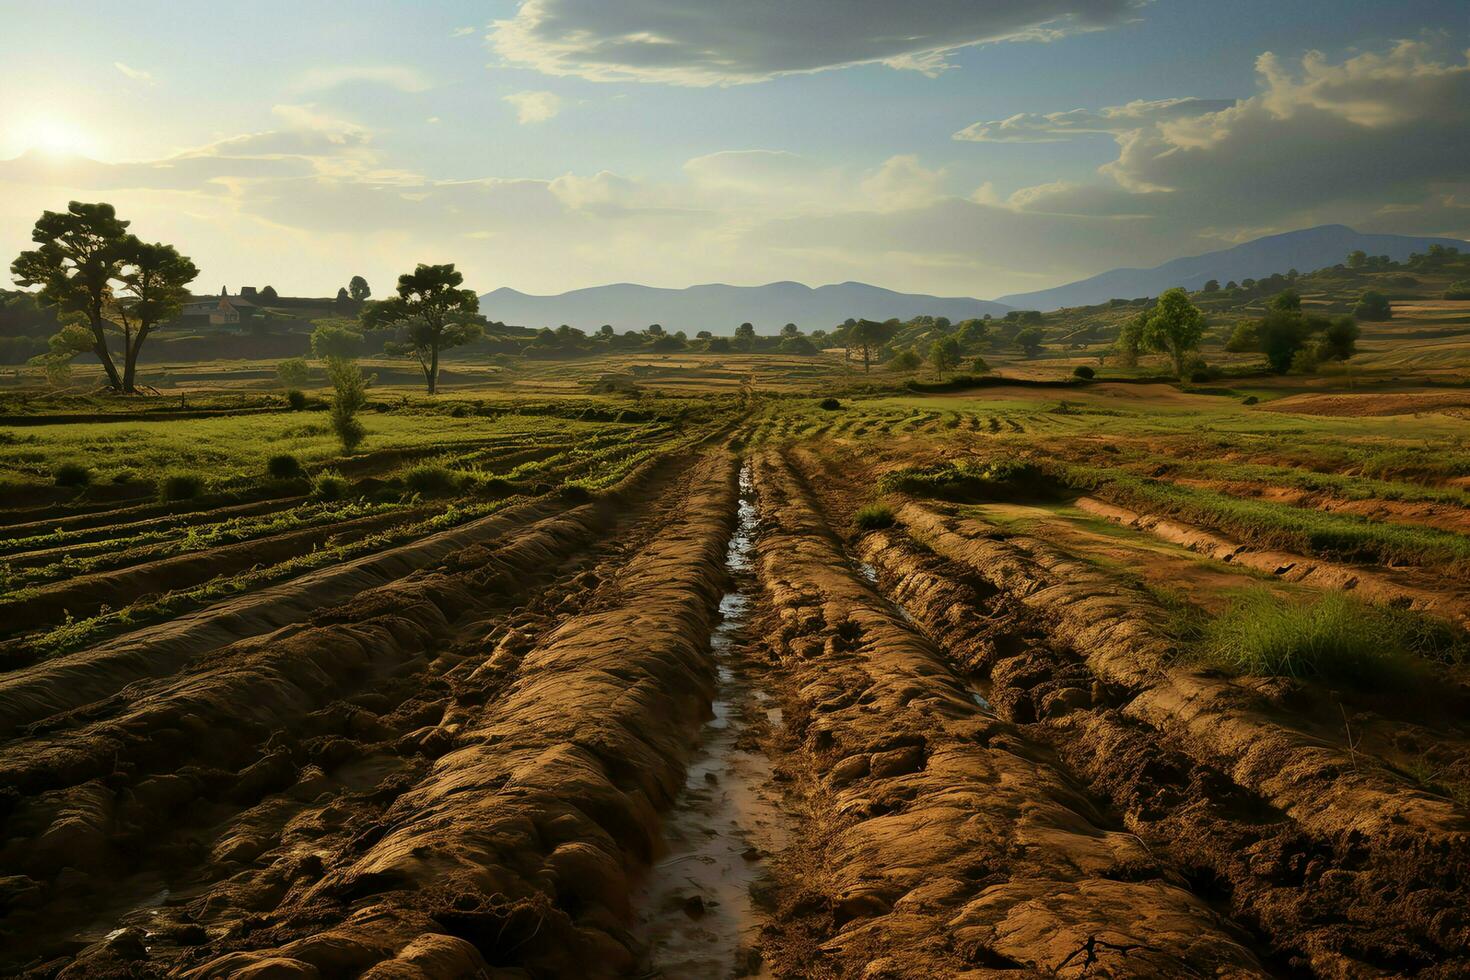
955, 147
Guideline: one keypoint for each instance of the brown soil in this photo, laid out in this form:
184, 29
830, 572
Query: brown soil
1374, 403
584, 738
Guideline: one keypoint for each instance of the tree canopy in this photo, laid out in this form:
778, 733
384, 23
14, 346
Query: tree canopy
434, 313
90, 266
1174, 327
358, 289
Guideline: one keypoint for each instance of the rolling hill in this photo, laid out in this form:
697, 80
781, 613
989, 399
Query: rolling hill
1304, 250
720, 308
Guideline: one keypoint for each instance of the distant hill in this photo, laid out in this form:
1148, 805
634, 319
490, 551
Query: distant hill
719, 308
1304, 250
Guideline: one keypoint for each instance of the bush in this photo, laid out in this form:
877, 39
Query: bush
428, 478
283, 467
1373, 306
874, 517
350, 396
1333, 638
124, 477
293, 372
72, 475
1458, 290
1250, 400
296, 399
978, 366
830, 404
1084, 372
329, 485
180, 485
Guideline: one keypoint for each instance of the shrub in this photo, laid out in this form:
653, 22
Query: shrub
428, 478
874, 517
124, 476
350, 396
283, 467
830, 404
296, 399
180, 485
1373, 306
293, 372
1250, 400
978, 366
72, 475
1333, 638
329, 485
1458, 290
1084, 372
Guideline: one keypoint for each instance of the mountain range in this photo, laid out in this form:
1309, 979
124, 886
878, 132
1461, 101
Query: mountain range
719, 308
1304, 250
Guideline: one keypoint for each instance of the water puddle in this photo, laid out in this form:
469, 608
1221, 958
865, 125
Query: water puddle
700, 907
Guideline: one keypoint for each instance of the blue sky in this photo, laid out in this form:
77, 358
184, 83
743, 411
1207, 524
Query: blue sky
564, 143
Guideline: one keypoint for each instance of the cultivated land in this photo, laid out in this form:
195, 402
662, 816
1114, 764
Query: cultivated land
650, 664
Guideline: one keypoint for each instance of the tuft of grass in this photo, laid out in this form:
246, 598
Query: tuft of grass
180, 485
874, 517
429, 478
72, 475
1333, 638
329, 485
283, 467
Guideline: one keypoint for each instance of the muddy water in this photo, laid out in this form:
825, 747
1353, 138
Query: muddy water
698, 909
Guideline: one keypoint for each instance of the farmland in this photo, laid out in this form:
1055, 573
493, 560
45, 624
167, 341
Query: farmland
757, 665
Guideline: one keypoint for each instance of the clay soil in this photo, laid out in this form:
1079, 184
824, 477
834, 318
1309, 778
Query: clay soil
697, 724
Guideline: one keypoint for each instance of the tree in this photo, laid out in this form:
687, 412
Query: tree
606, 332
435, 313
342, 297
1213, 286
1339, 339
1130, 339
358, 289
978, 366
907, 359
944, 355
745, 336
1373, 306
790, 330
796, 345
1175, 327
293, 372
335, 339
1357, 259
1243, 338
79, 257
1029, 340
867, 336
157, 279
1287, 301
336, 345
269, 292
655, 331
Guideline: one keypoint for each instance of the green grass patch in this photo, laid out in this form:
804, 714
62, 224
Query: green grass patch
1334, 639
874, 517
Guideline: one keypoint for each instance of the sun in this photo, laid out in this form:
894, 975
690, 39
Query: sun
54, 135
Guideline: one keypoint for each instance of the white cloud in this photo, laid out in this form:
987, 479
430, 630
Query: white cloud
1033, 127
462, 32
136, 74
714, 42
400, 77
534, 107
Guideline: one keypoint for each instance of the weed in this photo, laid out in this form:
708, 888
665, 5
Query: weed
1333, 638
874, 517
329, 485
72, 475
428, 478
180, 485
283, 467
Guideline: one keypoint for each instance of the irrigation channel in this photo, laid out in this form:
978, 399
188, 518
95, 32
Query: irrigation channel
699, 913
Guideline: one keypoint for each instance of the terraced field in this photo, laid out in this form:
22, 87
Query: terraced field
737, 685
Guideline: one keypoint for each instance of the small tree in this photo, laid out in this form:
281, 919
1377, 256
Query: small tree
435, 313
1175, 327
336, 346
1357, 259
1130, 340
269, 293
791, 330
358, 289
1029, 340
293, 372
978, 366
745, 336
905, 360
944, 355
1373, 306
867, 337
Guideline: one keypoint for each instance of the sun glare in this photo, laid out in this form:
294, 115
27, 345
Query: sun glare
54, 135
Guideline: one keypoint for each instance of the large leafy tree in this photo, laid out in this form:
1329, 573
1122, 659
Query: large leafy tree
88, 265
867, 337
1175, 327
358, 289
434, 313
79, 258
156, 279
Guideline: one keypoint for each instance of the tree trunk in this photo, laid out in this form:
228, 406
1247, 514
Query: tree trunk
102, 354
130, 362
865, 359
433, 371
